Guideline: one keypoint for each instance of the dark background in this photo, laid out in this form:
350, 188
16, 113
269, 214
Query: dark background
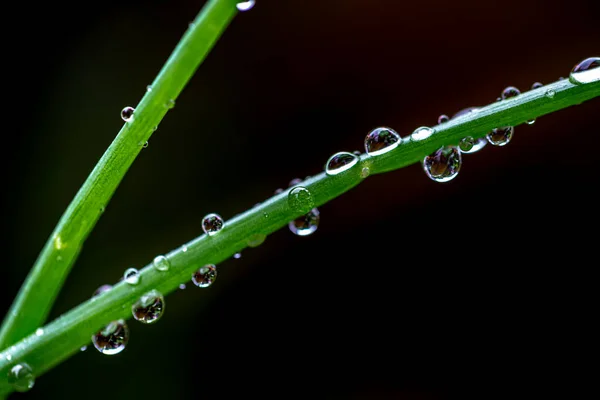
409, 289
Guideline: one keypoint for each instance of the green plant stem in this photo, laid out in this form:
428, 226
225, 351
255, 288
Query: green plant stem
64, 336
37, 294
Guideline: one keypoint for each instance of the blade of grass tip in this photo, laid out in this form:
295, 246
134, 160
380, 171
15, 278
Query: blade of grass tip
37, 294
64, 336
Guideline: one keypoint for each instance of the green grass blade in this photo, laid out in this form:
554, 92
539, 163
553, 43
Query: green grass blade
64, 336
37, 294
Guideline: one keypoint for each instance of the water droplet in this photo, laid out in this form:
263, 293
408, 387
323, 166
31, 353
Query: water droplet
500, 136
381, 140
161, 263
83, 348
300, 199
149, 308
306, 224
478, 143
531, 121
365, 172
576, 77
127, 113
182, 286
132, 276
294, 182
245, 5
465, 111
256, 239
102, 209
537, 85
148, 88
278, 190
550, 93
21, 377
340, 162
237, 256
101, 289
170, 104
205, 276
356, 153
212, 223
39, 332
146, 144
443, 118
8, 357
184, 248
111, 339
466, 144
422, 133
509, 92
443, 165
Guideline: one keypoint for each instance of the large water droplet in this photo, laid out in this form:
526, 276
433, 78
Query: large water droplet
576, 77
149, 308
245, 5
212, 223
300, 199
422, 133
381, 140
127, 113
112, 339
161, 263
443, 165
205, 276
340, 162
500, 136
132, 276
21, 377
509, 92
256, 239
306, 224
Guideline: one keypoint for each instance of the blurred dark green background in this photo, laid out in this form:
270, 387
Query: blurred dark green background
410, 289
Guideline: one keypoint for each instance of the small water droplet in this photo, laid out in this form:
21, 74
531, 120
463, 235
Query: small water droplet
111, 339
205, 276
356, 153
83, 348
500, 136
278, 190
170, 104
145, 144
509, 92
59, 258
184, 248
212, 223
148, 88
245, 5
550, 93
365, 172
161, 263
466, 144
132, 276
256, 239
592, 63
443, 165
531, 121
237, 256
422, 133
340, 162
306, 224
21, 377
443, 118
265, 214
294, 182
182, 286
127, 113
537, 85
8, 357
149, 308
101, 289
102, 209
39, 332
381, 140
300, 199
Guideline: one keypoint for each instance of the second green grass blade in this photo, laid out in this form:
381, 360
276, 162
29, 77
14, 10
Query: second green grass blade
37, 294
